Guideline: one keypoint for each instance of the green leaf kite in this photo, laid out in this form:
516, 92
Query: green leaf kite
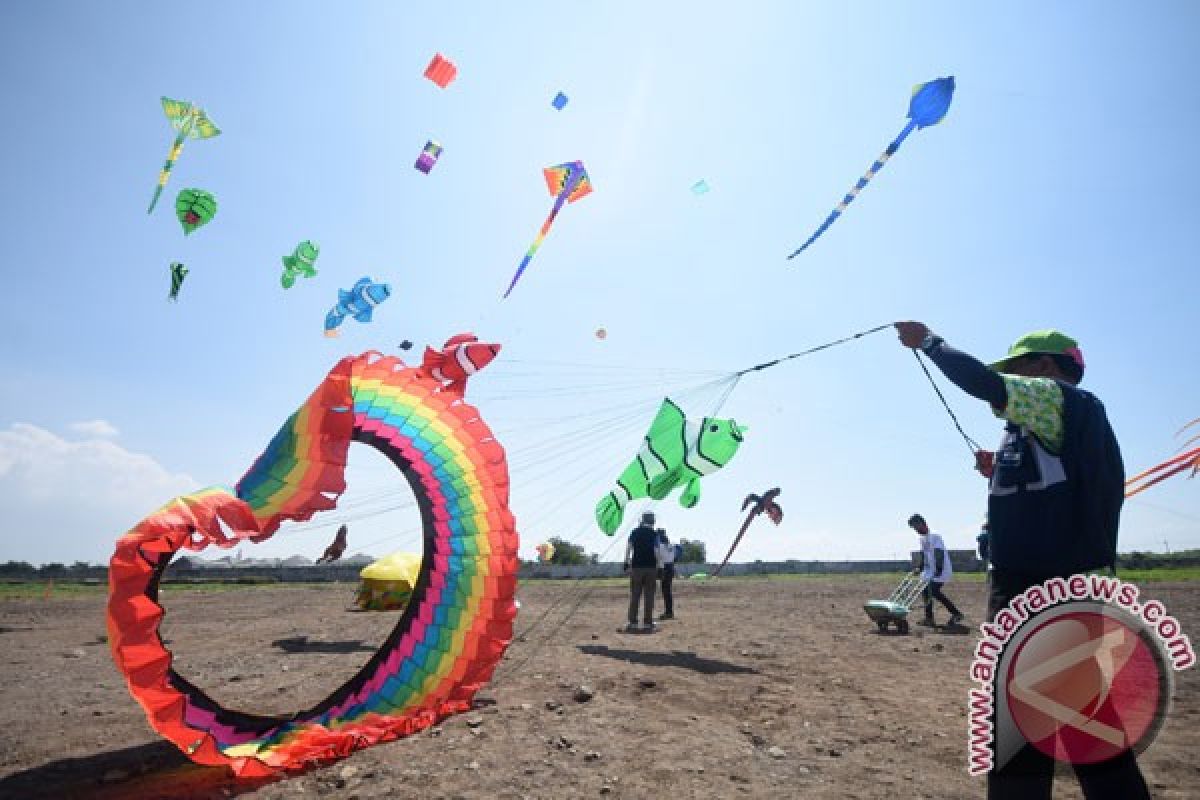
194, 207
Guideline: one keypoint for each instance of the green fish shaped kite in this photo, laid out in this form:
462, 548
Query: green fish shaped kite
675, 453
191, 123
194, 207
300, 262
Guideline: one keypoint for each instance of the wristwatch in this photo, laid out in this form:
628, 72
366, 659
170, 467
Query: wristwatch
930, 341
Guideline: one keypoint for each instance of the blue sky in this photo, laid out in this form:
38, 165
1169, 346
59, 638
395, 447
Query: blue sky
1058, 192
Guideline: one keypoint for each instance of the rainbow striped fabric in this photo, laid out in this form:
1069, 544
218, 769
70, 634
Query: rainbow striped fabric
567, 182
448, 640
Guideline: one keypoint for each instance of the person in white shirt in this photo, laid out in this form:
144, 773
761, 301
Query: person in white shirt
935, 569
666, 573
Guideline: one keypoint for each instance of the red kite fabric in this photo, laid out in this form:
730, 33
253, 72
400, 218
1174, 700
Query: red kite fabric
441, 71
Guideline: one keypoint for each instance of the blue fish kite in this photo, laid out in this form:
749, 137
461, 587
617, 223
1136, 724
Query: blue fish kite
929, 104
358, 302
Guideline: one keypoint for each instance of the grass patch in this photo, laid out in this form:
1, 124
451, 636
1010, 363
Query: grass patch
38, 589
1159, 575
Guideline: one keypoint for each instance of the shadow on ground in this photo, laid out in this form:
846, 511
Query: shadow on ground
301, 644
147, 771
676, 658
952, 630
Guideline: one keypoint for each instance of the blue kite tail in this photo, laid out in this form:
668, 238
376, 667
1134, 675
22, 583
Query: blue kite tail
524, 263
858, 187
559, 201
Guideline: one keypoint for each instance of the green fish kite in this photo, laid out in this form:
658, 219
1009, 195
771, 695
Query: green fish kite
675, 453
194, 207
300, 262
191, 123
178, 273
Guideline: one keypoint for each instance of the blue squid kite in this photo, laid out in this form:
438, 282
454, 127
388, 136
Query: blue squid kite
929, 104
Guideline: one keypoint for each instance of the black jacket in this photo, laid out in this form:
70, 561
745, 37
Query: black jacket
1048, 514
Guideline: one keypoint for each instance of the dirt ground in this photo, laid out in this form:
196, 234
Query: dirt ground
760, 688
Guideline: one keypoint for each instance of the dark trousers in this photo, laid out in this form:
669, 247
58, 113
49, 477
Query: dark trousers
1030, 773
668, 578
934, 589
641, 588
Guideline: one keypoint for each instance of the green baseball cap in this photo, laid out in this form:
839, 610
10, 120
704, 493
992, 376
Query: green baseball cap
1051, 342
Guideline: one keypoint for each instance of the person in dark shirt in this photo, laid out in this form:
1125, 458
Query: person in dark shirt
666, 574
641, 561
984, 543
1055, 491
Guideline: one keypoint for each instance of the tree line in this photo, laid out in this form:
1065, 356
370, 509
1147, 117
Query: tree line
568, 554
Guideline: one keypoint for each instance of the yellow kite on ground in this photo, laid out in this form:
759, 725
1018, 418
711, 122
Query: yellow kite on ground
388, 582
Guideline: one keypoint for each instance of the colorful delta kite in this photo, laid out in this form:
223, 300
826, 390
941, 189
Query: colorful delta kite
560, 101
567, 182
190, 122
429, 157
358, 302
178, 273
700, 187
1189, 459
441, 70
194, 207
929, 104
450, 636
761, 505
675, 453
302, 261
545, 552
388, 583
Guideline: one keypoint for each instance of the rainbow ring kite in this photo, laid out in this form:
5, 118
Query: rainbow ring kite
448, 640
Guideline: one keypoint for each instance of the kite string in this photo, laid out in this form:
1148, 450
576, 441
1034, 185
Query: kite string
733, 382
811, 350
972, 445
581, 597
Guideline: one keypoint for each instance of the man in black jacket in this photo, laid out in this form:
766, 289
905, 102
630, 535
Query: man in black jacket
641, 561
1056, 486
